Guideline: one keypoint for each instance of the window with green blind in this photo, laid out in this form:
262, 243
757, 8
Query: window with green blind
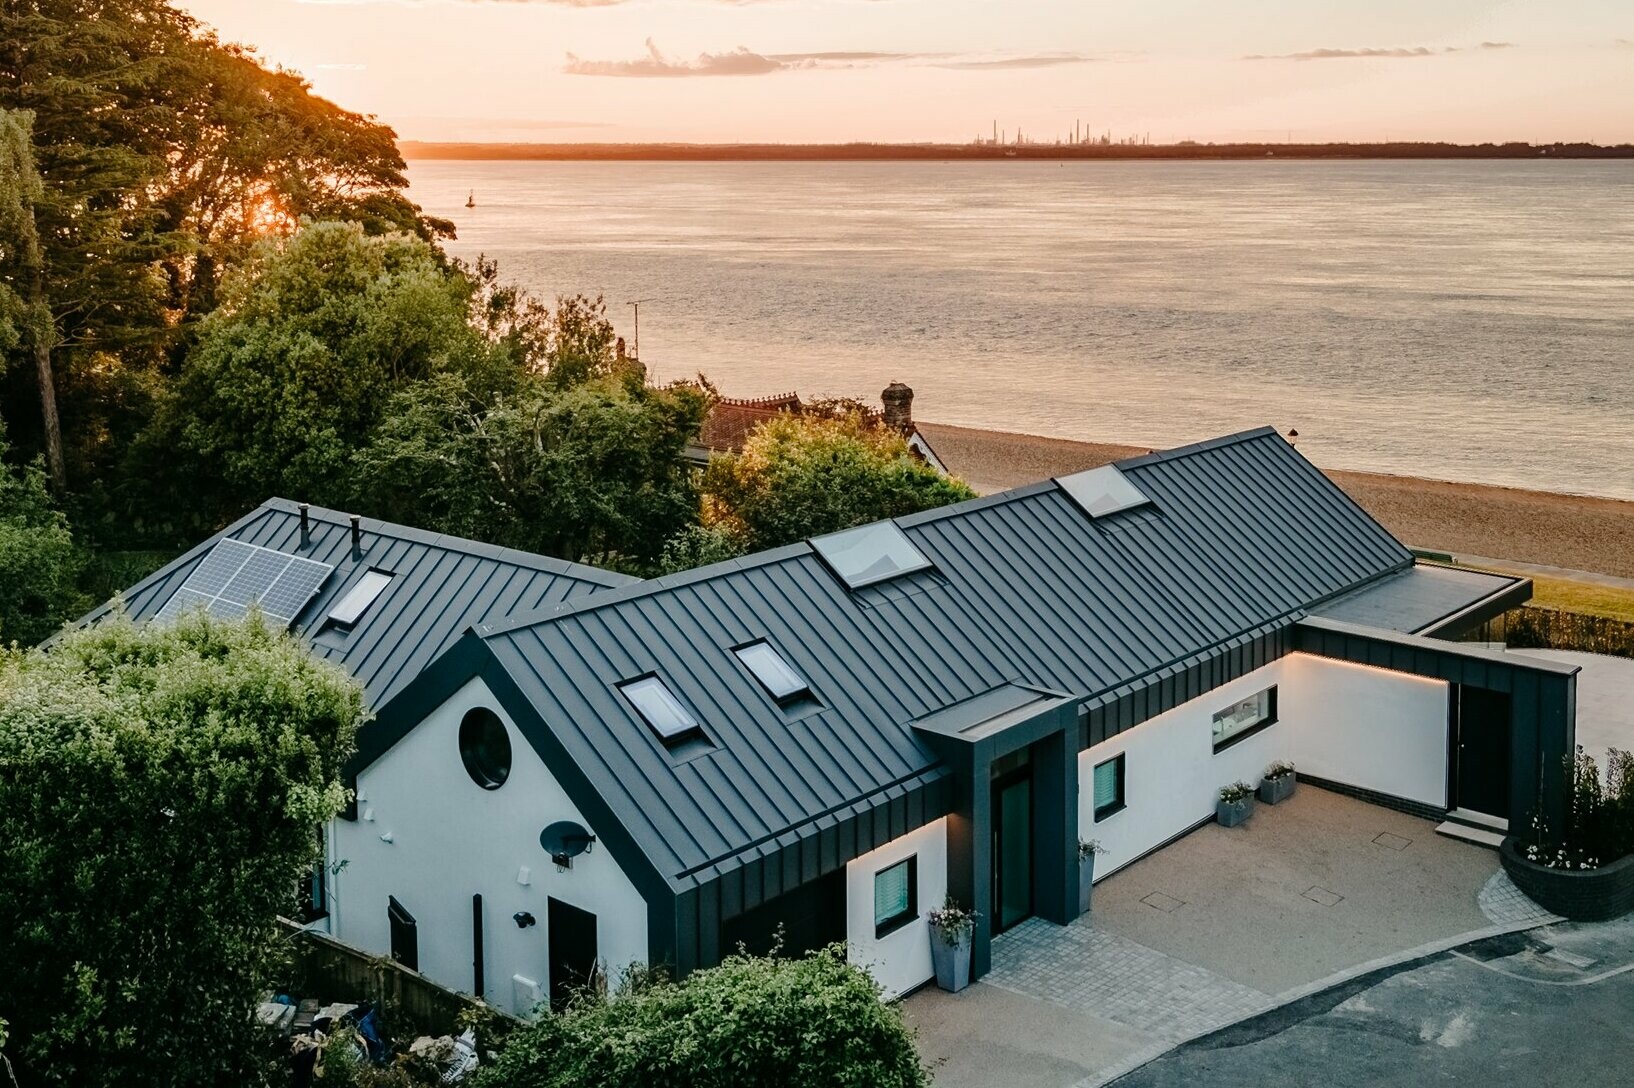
896, 896
1109, 787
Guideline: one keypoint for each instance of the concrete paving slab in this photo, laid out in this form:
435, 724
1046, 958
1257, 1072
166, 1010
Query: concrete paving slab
986, 1036
1244, 911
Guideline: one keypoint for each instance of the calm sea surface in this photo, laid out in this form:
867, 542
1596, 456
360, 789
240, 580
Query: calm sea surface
1470, 321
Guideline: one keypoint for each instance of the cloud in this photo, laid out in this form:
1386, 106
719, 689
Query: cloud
1346, 54
1036, 60
745, 62
737, 62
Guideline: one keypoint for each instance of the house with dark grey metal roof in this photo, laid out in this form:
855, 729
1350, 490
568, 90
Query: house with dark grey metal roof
572, 772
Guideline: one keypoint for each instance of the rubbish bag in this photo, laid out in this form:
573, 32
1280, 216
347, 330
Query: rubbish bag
464, 1059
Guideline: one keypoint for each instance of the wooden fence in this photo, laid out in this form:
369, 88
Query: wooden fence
1550, 628
410, 1003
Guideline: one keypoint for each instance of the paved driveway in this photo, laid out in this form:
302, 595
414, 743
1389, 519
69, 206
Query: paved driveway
1219, 926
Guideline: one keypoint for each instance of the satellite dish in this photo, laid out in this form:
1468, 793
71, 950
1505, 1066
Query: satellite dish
565, 840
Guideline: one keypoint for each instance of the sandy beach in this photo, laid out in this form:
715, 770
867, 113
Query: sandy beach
1567, 531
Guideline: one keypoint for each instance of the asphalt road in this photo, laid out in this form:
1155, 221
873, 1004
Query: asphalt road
1553, 1006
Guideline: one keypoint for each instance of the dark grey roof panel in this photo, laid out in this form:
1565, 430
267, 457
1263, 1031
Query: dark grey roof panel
1024, 589
442, 587
1417, 598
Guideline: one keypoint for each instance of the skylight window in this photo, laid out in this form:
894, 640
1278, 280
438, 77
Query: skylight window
1102, 491
870, 553
659, 708
779, 679
350, 608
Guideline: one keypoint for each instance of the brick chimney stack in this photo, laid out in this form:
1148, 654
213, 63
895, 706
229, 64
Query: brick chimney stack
898, 403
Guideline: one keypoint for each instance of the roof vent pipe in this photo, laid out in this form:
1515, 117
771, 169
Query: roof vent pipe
306, 527
357, 537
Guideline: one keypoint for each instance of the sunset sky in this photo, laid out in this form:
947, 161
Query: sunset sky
899, 70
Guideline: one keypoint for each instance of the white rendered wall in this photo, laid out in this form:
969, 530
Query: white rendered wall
1171, 772
900, 960
452, 839
1381, 730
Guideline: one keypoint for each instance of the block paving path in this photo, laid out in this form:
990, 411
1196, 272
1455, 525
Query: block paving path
1089, 970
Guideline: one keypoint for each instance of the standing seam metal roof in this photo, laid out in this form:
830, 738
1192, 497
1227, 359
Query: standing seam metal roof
442, 586
1241, 532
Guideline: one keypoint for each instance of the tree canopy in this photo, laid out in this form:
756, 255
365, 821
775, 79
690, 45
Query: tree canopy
160, 791
591, 471
804, 475
38, 560
816, 1020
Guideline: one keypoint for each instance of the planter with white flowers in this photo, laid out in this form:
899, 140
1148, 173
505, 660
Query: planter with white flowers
1086, 872
952, 933
1278, 783
1236, 804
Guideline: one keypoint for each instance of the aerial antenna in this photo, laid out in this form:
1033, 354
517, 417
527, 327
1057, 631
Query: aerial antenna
635, 304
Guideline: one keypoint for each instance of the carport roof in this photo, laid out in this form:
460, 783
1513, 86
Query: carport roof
1427, 599
1024, 589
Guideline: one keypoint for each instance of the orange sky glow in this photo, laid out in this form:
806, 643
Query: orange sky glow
945, 70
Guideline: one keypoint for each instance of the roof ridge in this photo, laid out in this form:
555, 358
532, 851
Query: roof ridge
465, 545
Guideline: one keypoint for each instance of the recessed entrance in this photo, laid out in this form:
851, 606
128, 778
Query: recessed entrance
572, 939
1481, 739
1012, 840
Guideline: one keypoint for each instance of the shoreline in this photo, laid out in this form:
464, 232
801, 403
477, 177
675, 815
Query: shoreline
1574, 532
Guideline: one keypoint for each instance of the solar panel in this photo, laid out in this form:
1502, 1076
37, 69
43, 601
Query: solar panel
236, 575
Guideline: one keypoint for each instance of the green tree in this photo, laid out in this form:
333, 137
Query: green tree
811, 1021
39, 564
802, 476
160, 790
588, 472
701, 545
314, 336
162, 155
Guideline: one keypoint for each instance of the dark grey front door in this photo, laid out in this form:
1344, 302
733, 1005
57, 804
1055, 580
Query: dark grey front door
1481, 781
1012, 848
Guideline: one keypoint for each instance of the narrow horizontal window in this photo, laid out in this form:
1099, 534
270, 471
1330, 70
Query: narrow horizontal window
350, 608
659, 708
1245, 718
896, 896
775, 674
1109, 787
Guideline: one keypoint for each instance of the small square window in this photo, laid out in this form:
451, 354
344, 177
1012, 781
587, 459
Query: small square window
1108, 787
659, 708
775, 674
896, 896
1245, 718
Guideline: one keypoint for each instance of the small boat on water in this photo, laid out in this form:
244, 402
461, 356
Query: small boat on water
471, 199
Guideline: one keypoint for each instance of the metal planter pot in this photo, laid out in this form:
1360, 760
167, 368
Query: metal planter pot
1232, 813
1086, 882
952, 961
1277, 789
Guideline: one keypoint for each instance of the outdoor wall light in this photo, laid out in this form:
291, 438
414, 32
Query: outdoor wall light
387, 837
524, 919
524, 876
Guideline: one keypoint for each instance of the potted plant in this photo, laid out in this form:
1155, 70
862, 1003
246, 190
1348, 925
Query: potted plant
1086, 872
952, 929
1278, 783
1236, 804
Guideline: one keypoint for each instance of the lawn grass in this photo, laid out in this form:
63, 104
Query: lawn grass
1588, 598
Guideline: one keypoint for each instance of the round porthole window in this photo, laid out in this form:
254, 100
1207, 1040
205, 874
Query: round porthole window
485, 748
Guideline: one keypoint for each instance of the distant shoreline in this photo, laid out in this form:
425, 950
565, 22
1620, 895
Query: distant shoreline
869, 152
1577, 532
